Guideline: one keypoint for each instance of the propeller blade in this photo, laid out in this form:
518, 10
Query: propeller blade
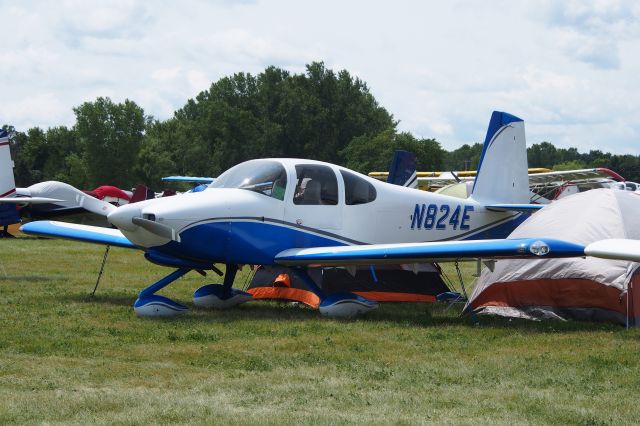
94, 205
159, 229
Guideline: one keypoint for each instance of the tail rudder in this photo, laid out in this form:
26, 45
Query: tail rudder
141, 193
502, 175
403, 169
7, 180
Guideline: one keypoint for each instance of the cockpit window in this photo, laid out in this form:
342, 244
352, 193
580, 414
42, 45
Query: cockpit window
263, 176
357, 190
316, 185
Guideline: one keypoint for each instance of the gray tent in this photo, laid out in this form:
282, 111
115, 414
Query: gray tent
573, 288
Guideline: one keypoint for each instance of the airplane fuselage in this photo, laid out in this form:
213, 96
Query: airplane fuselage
250, 220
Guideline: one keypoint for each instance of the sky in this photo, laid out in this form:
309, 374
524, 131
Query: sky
570, 69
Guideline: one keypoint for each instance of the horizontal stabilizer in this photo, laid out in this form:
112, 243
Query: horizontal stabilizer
527, 208
29, 200
427, 252
615, 249
72, 231
192, 179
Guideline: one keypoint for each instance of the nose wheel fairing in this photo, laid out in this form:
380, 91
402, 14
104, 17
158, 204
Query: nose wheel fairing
150, 304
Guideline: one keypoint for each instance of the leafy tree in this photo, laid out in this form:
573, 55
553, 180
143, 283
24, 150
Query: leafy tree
366, 154
543, 154
61, 142
570, 165
567, 155
273, 114
464, 158
111, 135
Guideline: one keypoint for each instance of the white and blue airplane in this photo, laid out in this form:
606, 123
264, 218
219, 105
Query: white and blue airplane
299, 213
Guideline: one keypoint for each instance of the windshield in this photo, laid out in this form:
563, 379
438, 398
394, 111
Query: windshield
266, 177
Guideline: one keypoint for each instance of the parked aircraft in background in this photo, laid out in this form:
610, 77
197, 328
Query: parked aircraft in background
433, 181
545, 185
52, 199
548, 186
297, 213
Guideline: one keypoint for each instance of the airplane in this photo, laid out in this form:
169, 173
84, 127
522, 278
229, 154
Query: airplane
53, 199
433, 181
545, 187
299, 213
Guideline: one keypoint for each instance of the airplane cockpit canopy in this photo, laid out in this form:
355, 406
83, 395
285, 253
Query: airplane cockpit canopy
266, 177
315, 184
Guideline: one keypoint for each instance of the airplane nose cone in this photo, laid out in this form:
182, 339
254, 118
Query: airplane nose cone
122, 217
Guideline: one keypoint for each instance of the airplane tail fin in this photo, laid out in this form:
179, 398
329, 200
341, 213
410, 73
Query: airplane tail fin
141, 193
502, 172
403, 169
7, 180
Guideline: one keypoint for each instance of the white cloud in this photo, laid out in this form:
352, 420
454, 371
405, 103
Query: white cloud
568, 68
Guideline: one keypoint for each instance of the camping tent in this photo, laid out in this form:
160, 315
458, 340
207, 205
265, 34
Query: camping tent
388, 283
572, 288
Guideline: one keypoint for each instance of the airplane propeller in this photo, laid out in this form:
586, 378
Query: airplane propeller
157, 228
130, 218
94, 205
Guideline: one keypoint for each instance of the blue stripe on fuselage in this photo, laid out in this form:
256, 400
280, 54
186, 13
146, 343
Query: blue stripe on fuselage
257, 242
243, 242
502, 230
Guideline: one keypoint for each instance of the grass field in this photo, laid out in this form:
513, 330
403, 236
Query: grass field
67, 357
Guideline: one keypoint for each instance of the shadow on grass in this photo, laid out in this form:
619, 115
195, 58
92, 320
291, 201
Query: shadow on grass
105, 299
26, 278
25, 237
408, 314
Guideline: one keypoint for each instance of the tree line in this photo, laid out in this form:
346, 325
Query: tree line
319, 114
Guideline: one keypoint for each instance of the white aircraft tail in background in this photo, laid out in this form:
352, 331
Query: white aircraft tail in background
7, 182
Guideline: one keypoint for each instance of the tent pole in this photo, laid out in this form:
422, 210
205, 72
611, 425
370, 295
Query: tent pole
629, 290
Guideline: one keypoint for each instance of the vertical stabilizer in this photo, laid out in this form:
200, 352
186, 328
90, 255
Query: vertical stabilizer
403, 169
502, 173
7, 181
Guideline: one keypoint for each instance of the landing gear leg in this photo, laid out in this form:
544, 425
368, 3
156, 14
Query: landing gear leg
221, 296
336, 305
229, 278
150, 304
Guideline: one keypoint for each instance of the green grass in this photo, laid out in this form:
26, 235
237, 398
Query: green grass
67, 357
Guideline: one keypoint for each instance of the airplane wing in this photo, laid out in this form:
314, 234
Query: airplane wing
444, 179
615, 248
28, 200
456, 250
191, 179
432, 251
576, 176
72, 231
